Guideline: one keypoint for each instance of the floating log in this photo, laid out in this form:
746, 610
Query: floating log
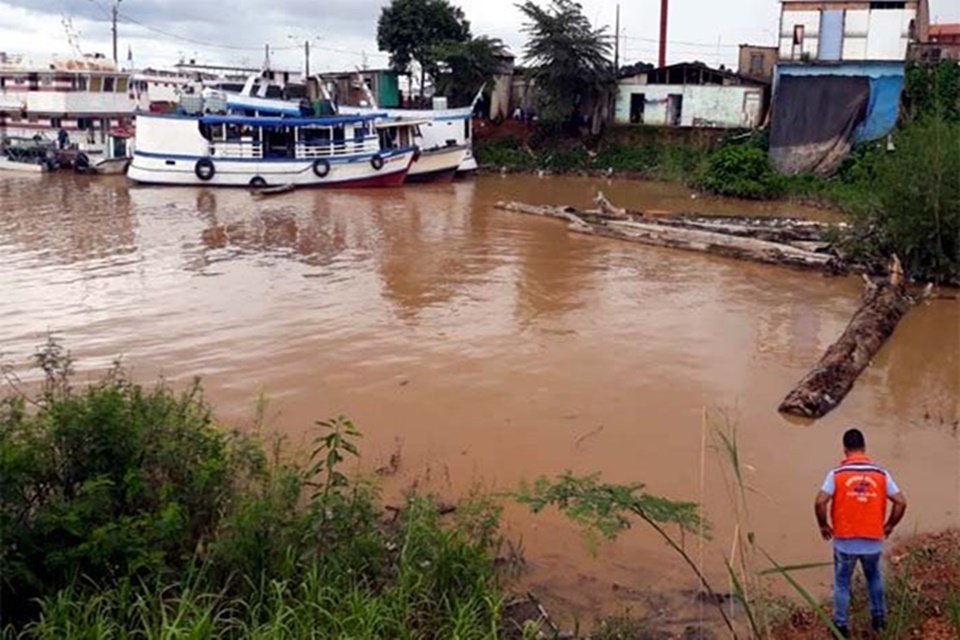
821, 390
655, 234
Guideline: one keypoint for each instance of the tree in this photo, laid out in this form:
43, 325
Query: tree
466, 66
410, 30
570, 59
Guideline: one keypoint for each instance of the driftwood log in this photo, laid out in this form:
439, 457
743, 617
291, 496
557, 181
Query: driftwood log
821, 390
612, 222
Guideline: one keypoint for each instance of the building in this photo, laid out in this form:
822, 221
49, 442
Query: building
689, 95
357, 87
757, 62
858, 30
943, 43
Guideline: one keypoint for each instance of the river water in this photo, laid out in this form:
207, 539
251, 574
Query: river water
480, 348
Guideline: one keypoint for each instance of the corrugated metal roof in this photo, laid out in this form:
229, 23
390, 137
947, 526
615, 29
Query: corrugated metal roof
945, 30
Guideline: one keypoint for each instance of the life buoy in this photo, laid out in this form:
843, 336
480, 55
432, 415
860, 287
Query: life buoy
376, 162
321, 167
81, 164
257, 182
205, 169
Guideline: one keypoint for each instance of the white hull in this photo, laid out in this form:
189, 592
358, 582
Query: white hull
20, 167
111, 166
437, 164
180, 170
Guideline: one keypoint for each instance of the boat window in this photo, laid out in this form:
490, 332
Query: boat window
80, 83
122, 85
56, 123
205, 131
96, 83
466, 129
83, 124
31, 118
18, 80
338, 134
46, 81
108, 84
218, 132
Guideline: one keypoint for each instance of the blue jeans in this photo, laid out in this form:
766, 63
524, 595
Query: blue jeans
843, 566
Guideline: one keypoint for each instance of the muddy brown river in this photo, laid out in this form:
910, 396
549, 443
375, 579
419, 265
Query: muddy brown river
485, 347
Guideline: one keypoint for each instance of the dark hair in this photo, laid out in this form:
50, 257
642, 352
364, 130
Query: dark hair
853, 440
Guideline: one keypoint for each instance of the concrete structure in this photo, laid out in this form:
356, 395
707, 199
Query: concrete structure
690, 95
757, 62
851, 31
501, 92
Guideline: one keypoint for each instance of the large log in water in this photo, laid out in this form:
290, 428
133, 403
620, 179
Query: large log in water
608, 223
832, 378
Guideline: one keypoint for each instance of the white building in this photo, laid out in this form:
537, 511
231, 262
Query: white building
690, 95
850, 31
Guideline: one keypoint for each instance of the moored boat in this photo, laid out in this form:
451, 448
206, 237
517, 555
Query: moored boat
260, 151
430, 164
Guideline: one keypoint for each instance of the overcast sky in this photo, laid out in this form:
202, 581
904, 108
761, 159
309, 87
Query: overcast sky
343, 32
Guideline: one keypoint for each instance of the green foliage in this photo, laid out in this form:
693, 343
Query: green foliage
741, 171
932, 91
507, 153
126, 512
410, 30
570, 59
915, 208
464, 67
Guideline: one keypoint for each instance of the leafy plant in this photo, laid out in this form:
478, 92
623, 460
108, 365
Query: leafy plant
741, 171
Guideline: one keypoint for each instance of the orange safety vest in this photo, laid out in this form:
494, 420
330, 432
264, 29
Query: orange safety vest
859, 499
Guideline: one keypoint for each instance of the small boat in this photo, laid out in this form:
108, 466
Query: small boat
27, 155
273, 191
440, 128
430, 164
119, 152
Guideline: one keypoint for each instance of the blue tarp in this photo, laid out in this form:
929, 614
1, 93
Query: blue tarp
883, 110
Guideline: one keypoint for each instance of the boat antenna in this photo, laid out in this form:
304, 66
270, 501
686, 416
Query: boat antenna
73, 37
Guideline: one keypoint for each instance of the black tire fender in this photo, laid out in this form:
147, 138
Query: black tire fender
81, 164
205, 169
257, 182
321, 167
376, 162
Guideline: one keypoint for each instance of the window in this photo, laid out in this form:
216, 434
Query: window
798, 35
46, 81
56, 123
19, 80
31, 118
108, 84
122, 85
96, 82
80, 83
888, 5
466, 129
84, 123
756, 63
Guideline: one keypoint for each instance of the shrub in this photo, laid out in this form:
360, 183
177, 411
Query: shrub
740, 171
916, 209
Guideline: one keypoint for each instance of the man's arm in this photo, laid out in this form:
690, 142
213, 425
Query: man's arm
896, 514
820, 508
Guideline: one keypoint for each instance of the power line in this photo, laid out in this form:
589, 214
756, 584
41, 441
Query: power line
682, 42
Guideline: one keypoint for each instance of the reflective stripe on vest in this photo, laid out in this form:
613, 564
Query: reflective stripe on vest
859, 499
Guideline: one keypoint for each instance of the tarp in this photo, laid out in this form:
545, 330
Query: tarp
814, 119
884, 108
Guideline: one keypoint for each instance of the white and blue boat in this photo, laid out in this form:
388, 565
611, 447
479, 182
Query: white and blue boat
258, 142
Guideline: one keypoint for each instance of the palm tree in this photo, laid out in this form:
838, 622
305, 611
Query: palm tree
570, 61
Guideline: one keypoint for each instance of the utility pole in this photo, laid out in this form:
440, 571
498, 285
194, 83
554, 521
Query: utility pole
306, 58
113, 15
664, 6
266, 57
616, 43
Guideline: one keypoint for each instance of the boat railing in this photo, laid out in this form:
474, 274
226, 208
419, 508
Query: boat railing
346, 148
237, 149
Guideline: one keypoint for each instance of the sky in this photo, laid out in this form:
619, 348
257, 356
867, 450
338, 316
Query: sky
343, 32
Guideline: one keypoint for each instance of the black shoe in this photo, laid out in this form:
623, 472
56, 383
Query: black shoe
844, 631
879, 623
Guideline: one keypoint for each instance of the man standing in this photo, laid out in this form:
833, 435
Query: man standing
859, 490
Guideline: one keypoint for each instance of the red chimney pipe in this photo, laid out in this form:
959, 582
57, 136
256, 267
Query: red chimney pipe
663, 32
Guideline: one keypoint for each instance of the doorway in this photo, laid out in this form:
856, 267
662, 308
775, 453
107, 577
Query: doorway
674, 109
638, 103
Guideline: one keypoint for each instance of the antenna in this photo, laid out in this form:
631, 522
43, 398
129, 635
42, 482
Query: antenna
73, 37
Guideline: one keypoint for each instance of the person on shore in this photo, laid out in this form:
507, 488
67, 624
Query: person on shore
857, 492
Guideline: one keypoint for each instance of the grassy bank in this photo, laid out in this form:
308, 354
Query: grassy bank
923, 595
